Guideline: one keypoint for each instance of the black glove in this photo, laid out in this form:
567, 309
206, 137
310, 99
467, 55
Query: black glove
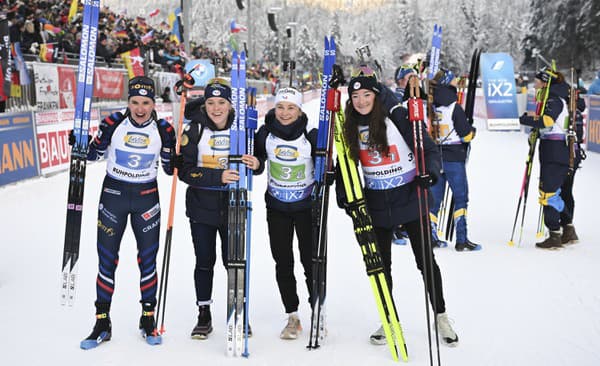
425, 180
73, 140
329, 178
176, 161
525, 119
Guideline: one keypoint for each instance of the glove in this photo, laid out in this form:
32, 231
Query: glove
425, 180
176, 161
73, 140
525, 119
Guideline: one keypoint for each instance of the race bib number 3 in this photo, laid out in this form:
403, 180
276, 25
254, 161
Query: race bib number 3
135, 161
371, 158
287, 173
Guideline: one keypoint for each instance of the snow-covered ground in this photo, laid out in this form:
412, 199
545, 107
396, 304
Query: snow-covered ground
510, 306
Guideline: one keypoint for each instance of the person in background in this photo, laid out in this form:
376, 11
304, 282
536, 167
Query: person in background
455, 134
554, 152
166, 95
133, 144
595, 86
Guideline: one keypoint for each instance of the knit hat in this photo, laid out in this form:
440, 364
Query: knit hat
142, 86
217, 88
545, 74
363, 78
444, 77
404, 70
289, 95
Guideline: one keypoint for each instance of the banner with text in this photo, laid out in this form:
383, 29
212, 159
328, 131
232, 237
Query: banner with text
53, 138
17, 148
593, 131
499, 89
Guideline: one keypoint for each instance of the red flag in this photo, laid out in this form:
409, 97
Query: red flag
154, 13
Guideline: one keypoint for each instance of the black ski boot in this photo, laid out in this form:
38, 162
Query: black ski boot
102, 329
569, 236
204, 325
552, 242
148, 325
467, 246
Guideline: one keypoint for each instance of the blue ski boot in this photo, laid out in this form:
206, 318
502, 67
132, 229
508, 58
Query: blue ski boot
102, 329
148, 326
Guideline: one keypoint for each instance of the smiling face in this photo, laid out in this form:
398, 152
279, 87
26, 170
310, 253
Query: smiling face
362, 101
287, 113
141, 108
217, 110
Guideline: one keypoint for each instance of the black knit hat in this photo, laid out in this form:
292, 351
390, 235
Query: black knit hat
142, 86
545, 74
217, 88
363, 77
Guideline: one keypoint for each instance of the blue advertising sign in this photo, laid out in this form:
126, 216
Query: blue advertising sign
500, 91
202, 71
18, 158
593, 130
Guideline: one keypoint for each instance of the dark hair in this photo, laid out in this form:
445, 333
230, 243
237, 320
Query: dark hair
377, 129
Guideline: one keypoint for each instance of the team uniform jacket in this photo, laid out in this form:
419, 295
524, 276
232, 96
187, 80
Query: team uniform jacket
289, 152
455, 131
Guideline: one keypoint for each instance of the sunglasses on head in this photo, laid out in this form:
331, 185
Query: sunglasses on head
219, 81
363, 70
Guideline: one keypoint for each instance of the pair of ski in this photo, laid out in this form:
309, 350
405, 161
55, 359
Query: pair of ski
241, 142
81, 125
324, 172
447, 207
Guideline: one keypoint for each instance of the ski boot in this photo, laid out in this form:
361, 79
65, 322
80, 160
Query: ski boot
400, 236
467, 246
204, 325
552, 242
378, 337
102, 331
569, 236
293, 327
148, 325
445, 331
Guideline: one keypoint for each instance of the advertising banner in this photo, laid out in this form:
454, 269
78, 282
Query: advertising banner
53, 138
17, 148
202, 71
46, 86
500, 91
109, 84
593, 132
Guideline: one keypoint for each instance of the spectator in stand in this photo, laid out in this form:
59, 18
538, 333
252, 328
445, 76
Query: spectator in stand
166, 95
102, 49
595, 87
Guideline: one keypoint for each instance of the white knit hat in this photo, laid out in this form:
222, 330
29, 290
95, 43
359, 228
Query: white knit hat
289, 95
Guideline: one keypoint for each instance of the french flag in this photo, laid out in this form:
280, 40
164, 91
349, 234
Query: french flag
236, 28
154, 13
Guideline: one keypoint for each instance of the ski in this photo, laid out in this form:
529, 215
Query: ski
251, 125
81, 124
237, 211
434, 66
365, 235
320, 199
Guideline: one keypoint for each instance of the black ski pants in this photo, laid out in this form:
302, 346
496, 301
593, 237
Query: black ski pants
281, 234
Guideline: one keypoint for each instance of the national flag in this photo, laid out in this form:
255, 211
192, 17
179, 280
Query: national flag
73, 9
148, 37
50, 28
121, 34
20, 64
47, 52
154, 13
174, 24
236, 28
164, 26
134, 62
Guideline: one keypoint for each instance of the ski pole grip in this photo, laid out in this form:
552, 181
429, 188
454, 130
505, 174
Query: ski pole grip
333, 100
415, 110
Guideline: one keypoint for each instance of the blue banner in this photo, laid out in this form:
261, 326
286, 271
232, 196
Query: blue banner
202, 71
500, 91
593, 130
18, 157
